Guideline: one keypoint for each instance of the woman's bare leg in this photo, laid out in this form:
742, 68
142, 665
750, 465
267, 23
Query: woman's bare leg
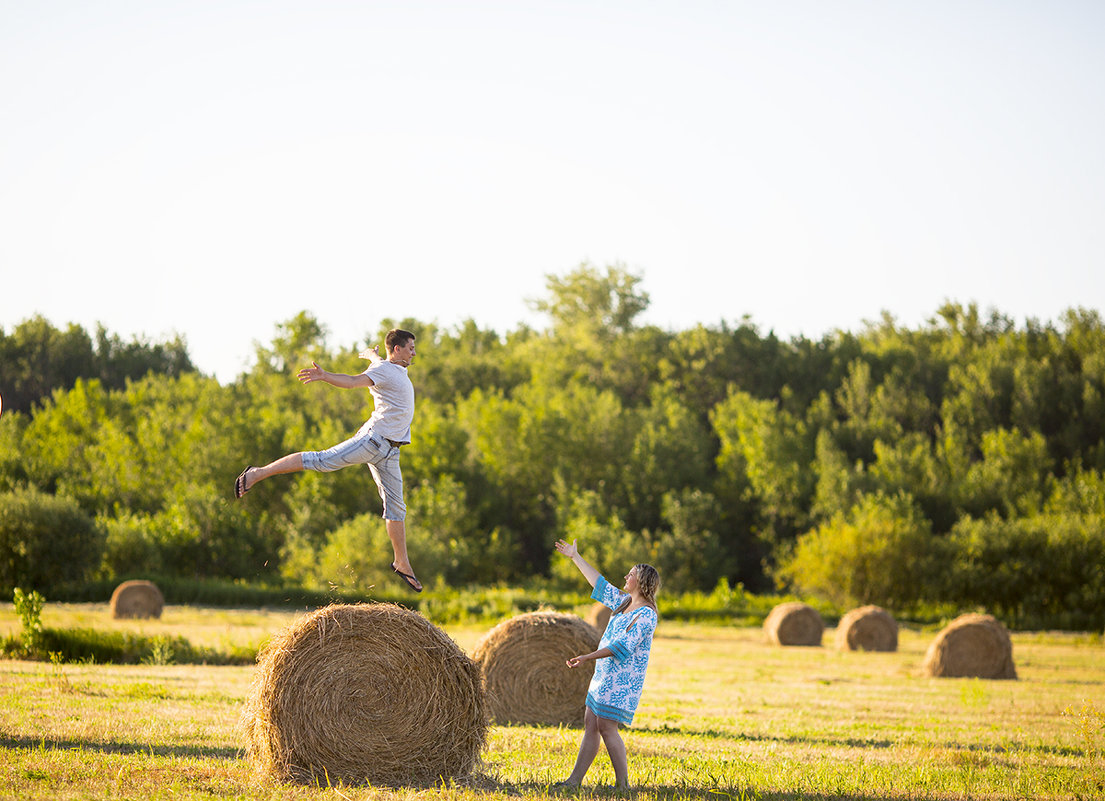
615, 747
588, 748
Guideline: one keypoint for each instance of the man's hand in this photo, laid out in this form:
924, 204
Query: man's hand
312, 373
372, 354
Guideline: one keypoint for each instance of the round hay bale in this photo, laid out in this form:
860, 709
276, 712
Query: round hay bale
794, 623
868, 628
598, 616
521, 663
973, 645
137, 599
364, 693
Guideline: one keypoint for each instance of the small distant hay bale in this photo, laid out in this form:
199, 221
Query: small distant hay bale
598, 616
794, 623
137, 599
364, 693
868, 628
973, 645
521, 663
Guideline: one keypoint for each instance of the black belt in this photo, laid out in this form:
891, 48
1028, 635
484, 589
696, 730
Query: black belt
394, 444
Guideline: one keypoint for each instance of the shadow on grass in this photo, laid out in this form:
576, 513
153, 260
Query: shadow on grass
480, 783
857, 742
671, 792
54, 744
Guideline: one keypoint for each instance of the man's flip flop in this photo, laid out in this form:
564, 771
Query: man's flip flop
412, 582
240, 483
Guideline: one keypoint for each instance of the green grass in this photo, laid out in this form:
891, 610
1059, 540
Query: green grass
452, 605
724, 716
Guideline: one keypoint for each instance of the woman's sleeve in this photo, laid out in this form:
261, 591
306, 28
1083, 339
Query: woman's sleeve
640, 629
607, 594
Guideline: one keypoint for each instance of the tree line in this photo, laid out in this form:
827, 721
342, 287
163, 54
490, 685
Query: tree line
958, 462
36, 358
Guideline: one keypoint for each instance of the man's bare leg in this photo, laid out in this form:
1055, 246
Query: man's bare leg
397, 533
292, 463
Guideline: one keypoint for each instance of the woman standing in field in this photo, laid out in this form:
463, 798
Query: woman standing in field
620, 663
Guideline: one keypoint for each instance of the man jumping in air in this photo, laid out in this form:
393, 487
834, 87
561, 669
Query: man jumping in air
376, 444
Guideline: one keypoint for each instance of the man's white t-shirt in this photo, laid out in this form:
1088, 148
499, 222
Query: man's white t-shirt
393, 396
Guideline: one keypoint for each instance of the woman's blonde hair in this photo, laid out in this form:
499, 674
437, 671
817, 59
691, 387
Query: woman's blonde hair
648, 584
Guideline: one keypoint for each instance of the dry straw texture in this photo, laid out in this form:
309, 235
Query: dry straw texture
598, 616
868, 628
364, 692
522, 664
794, 623
976, 646
136, 599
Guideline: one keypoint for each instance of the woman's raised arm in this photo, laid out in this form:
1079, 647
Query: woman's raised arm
570, 550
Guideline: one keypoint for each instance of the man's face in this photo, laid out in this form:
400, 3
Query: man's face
403, 354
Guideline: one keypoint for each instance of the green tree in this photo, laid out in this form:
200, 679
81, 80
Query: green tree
880, 552
690, 553
542, 434
594, 338
46, 542
1080, 492
1011, 477
446, 540
1032, 569
839, 482
60, 444
704, 364
910, 464
452, 364
603, 538
37, 358
297, 343
118, 362
770, 449
603, 304
671, 450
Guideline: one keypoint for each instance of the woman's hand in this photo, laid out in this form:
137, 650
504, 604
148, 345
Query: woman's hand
601, 653
568, 549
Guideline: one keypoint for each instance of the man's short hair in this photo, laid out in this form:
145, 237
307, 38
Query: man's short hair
396, 338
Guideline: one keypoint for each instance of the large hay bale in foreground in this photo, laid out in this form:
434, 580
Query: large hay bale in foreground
868, 628
598, 616
364, 692
794, 623
973, 645
522, 660
137, 599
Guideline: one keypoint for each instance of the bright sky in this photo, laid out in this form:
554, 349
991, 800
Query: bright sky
213, 168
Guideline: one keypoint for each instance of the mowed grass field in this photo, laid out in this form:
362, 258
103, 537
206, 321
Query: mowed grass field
724, 715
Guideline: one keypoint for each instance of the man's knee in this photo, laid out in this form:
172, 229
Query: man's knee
395, 511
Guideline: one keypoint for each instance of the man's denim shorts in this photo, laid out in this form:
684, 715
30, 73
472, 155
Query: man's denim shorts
382, 459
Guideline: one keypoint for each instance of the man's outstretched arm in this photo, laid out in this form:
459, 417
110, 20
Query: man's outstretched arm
372, 354
343, 380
